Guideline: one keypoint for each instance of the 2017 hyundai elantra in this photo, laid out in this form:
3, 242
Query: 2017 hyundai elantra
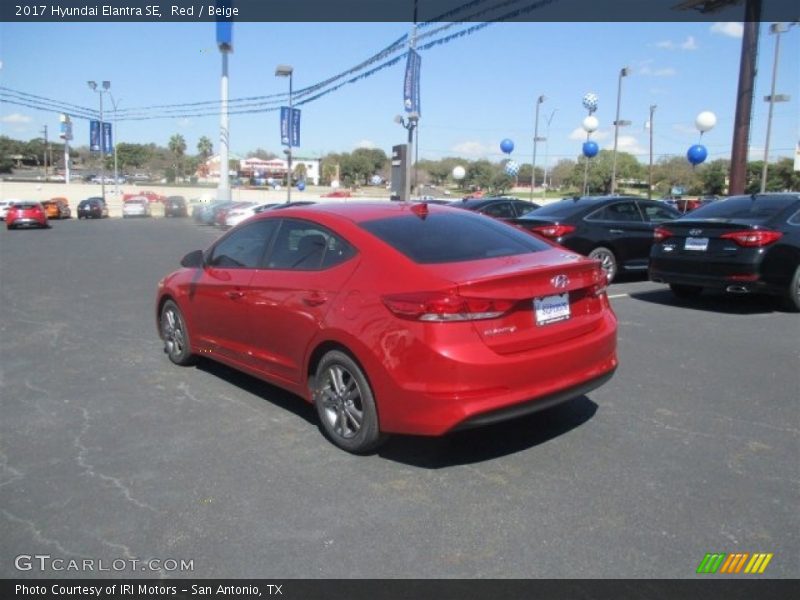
394, 317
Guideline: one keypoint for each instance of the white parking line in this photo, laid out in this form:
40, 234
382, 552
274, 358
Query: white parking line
618, 296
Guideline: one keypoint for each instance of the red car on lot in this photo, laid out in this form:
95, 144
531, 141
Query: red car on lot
394, 317
26, 214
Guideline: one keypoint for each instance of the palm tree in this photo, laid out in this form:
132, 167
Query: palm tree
177, 145
205, 148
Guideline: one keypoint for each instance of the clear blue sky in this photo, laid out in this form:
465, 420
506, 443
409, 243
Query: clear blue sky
476, 90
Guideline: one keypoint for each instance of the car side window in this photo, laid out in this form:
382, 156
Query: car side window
619, 211
245, 247
657, 214
499, 210
305, 246
794, 219
523, 208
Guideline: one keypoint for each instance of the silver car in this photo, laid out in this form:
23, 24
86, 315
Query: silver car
138, 206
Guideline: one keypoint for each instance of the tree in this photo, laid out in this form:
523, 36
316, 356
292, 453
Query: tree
480, 174
712, 178
177, 146
204, 148
262, 154
561, 172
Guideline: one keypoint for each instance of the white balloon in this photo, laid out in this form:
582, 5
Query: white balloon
459, 172
705, 121
590, 124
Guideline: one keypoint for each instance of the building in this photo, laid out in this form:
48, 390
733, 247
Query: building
259, 169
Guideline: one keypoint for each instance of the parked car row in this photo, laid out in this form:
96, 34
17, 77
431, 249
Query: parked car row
378, 355
229, 214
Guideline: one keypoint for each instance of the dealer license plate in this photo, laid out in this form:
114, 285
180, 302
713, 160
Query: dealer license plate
700, 244
551, 309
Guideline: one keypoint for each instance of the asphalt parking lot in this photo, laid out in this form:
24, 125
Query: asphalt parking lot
108, 451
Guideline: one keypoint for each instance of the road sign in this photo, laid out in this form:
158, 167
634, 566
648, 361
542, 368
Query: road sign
290, 126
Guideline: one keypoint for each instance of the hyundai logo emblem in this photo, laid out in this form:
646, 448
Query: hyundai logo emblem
560, 281
695, 231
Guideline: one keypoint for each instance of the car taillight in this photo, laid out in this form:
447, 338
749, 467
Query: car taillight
553, 231
444, 306
752, 238
661, 233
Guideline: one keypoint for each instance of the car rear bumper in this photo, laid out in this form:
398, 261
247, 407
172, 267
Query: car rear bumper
27, 223
453, 393
743, 281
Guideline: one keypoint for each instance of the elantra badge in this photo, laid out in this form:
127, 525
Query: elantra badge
560, 281
695, 231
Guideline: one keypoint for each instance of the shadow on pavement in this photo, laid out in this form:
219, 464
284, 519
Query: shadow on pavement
713, 302
486, 443
277, 396
463, 447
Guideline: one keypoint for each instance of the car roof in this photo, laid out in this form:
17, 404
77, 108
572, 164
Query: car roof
359, 212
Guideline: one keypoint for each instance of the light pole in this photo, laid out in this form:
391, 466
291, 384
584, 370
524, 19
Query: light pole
106, 85
650, 171
536, 139
545, 187
410, 123
287, 71
777, 29
617, 123
114, 103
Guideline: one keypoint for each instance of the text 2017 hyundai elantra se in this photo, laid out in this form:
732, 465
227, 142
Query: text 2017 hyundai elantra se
742, 245
394, 317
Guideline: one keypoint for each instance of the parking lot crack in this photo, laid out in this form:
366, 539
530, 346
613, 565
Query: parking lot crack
89, 469
37, 533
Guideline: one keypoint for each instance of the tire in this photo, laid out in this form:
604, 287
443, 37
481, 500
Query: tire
685, 291
792, 299
345, 404
608, 261
175, 335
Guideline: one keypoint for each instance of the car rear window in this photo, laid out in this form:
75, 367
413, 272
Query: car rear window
444, 238
560, 209
744, 207
24, 205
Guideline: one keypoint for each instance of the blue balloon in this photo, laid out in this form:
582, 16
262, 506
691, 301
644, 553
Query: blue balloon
301, 185
697, 154
590, 149
507, 146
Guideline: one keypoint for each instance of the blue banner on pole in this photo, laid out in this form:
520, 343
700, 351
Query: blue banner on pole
411, 83
94, 135
290, 126
224, 26
108, 145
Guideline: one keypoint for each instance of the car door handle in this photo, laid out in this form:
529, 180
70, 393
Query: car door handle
234, 294
314, 299
616, 231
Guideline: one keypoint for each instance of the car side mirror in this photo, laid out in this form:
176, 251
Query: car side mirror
193, 260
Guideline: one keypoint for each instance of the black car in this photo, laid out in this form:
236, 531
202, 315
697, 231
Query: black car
175, 206
742, 245
616, 230
92, 208
499, 207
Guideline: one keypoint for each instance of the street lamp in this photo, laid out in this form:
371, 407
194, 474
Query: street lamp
105, 86
287, 71
624, 72
777, 29
114, 103
545, 186
536, 139
410, 123
650, 170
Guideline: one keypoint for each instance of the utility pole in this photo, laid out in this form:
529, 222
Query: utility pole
44, 152
536, 139
744, 98
650, 172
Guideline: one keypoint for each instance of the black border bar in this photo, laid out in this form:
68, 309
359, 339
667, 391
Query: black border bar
707, 588
276, 11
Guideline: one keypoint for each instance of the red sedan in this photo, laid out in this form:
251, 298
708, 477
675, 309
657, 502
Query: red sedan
26, 214
394, 318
